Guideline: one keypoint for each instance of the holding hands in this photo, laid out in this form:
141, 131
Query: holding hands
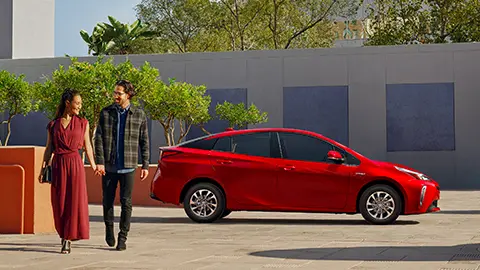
99, 170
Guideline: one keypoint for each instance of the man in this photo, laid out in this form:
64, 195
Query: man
122, 129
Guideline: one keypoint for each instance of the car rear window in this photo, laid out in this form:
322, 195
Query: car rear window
202, 144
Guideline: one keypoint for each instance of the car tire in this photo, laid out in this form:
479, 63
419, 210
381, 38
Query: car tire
205, 194
226, 213
379, 213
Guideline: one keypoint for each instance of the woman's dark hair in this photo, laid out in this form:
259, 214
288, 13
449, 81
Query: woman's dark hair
127, 86
67, 95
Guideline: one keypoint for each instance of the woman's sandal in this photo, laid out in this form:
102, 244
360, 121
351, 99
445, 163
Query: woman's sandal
66, 246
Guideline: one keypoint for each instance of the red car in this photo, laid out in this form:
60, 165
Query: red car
280, 169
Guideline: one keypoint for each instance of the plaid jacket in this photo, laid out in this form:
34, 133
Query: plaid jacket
136, 135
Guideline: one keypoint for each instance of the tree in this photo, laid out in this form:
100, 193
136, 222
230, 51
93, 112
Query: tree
304, 23
184, 25
238, 115
242, 21
396, 22
178, 102
15, 98
95, 82
116, 37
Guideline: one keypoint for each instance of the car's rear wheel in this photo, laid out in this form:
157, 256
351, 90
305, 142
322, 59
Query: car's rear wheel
380, 204
204, 203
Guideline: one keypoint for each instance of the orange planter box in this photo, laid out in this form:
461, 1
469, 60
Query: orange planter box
29, 206
141, 190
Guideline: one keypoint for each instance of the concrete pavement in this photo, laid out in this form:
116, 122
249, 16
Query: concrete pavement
163, 238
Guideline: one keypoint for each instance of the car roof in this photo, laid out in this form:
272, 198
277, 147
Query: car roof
254, 130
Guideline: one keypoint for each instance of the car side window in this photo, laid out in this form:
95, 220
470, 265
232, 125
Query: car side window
303, 147
252, 144
349, 158
223, 144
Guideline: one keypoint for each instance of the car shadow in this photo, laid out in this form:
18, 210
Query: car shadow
254, 221
457, 253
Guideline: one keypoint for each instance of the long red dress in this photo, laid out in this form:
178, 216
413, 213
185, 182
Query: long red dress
69, 188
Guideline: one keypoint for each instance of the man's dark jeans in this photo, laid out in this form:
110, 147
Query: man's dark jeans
109, 185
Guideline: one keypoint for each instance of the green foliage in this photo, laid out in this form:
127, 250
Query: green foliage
182, 25
205, 25
396, 22
238, 115
15, 98
116, 37
304, 23
97, 44
178, 102
95, 82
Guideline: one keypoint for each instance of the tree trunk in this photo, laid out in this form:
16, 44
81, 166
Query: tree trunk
9, 129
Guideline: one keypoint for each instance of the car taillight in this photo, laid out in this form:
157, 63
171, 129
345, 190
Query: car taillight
167, 153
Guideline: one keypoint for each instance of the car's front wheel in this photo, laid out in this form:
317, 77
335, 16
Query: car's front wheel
380, 204
204, 203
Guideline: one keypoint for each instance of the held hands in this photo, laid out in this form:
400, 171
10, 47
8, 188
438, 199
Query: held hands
99, 170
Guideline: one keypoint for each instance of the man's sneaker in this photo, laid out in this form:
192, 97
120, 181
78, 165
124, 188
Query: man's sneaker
109, 236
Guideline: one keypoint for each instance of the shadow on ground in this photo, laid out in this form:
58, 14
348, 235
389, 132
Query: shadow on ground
44, 247
255, 221
458, 212
458, 253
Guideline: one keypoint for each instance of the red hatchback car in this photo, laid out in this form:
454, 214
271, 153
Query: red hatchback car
280, 169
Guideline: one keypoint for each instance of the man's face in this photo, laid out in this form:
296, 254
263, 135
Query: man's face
121, 98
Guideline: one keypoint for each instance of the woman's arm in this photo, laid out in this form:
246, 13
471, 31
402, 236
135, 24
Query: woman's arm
88, 148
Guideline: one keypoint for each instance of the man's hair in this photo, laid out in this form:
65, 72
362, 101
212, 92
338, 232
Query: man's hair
127, 86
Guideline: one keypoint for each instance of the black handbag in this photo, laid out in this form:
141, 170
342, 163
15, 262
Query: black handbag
47, 174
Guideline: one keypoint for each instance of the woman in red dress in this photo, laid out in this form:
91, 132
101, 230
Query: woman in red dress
67, 134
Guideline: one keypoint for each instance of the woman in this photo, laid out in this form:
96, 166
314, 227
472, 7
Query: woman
67, 134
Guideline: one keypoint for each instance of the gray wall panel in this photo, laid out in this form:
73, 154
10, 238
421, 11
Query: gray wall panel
264, 86
420, 68
315, 71
219, 73
367, 109
467, 115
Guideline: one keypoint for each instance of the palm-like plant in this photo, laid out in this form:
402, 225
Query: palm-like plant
116, 37
96, 42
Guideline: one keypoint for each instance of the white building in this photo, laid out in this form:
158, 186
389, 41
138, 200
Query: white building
27, 29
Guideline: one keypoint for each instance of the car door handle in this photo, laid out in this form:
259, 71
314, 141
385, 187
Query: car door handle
223, 161
289, 168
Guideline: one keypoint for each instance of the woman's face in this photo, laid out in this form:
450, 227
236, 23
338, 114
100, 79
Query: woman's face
75, 105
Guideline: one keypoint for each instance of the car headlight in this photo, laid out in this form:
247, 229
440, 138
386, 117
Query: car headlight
419, 176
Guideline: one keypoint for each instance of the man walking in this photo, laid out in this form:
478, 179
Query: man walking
121, 131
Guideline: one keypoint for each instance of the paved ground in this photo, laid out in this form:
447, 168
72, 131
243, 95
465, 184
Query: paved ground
167, 239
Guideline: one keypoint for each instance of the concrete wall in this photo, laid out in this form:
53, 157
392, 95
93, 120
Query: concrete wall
415, 105
6, 27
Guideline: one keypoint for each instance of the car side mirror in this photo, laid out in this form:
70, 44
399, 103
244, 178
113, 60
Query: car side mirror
335, 156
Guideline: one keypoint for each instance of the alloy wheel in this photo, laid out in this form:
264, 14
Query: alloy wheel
380, 205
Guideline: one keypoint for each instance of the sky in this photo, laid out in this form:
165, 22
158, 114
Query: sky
71, 16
